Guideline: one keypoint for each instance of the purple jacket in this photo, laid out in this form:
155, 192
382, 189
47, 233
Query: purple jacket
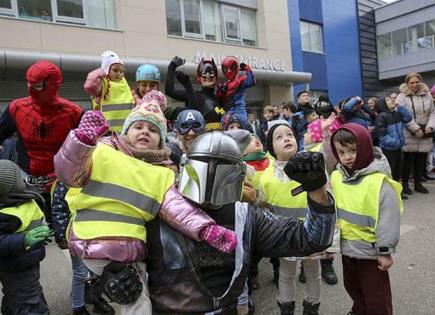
73, 166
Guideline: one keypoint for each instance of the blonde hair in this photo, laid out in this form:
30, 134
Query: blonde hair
411, 75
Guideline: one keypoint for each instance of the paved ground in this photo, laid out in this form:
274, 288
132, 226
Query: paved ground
412, 276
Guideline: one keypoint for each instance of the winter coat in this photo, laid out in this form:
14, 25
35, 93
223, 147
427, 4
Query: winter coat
356, 115
14, 255
422, 111
74, 166
390, 125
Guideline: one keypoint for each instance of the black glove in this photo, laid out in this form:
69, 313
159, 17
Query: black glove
178, 61
182, 77
308, 169
122, 287
242, 66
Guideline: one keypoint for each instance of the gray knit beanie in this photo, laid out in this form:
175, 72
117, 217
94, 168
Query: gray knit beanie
11, 178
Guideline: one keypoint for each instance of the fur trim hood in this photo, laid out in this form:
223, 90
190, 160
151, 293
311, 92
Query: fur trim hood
422, 91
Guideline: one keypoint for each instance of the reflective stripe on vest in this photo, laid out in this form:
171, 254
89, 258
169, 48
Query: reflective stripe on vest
29, 214
278, 195
122, 194
117, 105
358, 204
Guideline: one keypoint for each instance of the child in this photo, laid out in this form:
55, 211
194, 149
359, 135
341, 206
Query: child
22, 238
268, 116
231, 121
389, 129
310, 115
354, 113
124, 186
232, 92
276, 187
110, 91
368, 208
147, 79
256, 160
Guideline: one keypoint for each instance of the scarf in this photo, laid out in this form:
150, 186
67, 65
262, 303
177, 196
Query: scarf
254, 156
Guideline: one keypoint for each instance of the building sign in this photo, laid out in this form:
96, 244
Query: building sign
255, 62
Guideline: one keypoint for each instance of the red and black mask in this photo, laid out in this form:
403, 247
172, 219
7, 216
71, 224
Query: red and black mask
207, 72
230, 67
43, 81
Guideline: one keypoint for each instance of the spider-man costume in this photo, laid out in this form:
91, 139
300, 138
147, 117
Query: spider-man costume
232, 91
42, 120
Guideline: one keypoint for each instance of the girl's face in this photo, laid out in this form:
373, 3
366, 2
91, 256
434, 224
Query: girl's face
284, 143
145, 86
144, 136
116, 72
391, 104
371, 104
346, 153
254, 146
414, 84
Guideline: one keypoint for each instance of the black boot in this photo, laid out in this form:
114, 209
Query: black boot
310, 309
80, 311
328, 273
302, 277
100, 304
406, 189
287, 308
418, 187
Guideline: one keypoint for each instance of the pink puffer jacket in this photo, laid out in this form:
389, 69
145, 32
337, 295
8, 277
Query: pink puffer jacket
73, 165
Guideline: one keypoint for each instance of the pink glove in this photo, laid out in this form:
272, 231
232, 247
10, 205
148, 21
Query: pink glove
92, 126
219, 237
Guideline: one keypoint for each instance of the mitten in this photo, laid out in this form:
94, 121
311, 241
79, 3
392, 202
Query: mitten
219, 237
92, 126
245, 67
178, 61
308, 169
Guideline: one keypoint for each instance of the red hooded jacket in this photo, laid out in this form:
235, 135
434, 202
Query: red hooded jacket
42, 120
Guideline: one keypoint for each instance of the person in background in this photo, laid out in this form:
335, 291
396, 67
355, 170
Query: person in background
303, 101
147, 79
310, 115
324, 107
254, 124
371, 103
110, 91
268, 116
276, 112
430, 163
354, 113
288, 110
415, 96
231, 121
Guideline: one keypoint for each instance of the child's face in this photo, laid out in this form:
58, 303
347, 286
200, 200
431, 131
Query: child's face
346, 153
268, 115
391, 104
304, 98
284, 143
312, 117
145, 86
254, 146
287, 112
234, 126
144, 135
187, 138
116, 72
371, 103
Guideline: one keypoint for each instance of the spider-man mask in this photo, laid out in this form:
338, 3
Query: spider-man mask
43, 81
230, 67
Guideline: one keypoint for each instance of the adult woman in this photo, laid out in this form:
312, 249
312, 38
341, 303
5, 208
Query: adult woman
414, 94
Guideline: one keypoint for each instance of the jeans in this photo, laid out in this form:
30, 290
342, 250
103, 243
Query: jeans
80, 274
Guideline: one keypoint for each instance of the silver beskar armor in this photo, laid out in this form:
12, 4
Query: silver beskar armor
213, 171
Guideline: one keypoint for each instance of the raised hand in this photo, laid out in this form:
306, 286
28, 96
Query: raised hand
178, 61
92, 126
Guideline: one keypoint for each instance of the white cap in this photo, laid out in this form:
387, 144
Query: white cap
108, 58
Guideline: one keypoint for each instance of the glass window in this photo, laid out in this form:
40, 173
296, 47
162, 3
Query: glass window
192, 16
430, 33
231, 22
384, 45
311, 37
173, 17
101, 13
399, 42
70, 8
416, 38
212, 20
5, 4
248, 26
40, 10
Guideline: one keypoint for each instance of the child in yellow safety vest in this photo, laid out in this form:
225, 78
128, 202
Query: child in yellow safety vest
124, 186
368, 209
22, 238
110, 91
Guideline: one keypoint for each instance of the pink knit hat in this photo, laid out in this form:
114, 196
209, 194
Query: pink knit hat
316, 129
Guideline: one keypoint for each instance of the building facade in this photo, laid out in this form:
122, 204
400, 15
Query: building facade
74, 33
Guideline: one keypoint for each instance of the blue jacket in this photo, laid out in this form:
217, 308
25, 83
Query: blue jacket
14, 256
356, 115
389, 125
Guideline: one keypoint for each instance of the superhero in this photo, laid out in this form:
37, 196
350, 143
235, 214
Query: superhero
42, 122
232, 91
204, 100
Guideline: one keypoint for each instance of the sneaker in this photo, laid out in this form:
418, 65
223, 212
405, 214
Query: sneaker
80, 311
420, 188
406, 189
429, 176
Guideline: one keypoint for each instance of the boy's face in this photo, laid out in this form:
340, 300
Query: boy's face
312, 117
391, 104
346, 153
116, 72
287, 112
304, 98
284, 143
145, 86
254, 146
268, 115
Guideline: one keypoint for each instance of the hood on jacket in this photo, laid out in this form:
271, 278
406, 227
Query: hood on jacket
422, 91
108, 58
381, 106
48, 73
364, 146
378, 165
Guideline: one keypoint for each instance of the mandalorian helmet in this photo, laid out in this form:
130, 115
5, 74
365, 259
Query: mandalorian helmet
213, 171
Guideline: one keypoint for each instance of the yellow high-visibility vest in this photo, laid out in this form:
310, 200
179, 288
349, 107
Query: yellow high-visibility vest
122, 194
317, 147
118, 104
29, 214
358, 204
278, 195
